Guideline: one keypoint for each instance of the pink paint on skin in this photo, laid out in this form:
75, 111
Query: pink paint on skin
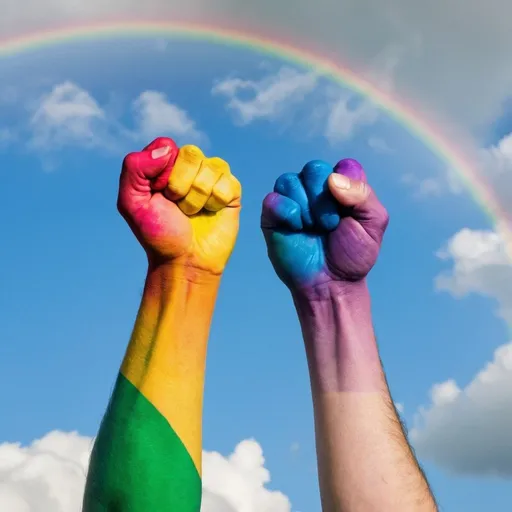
144, 177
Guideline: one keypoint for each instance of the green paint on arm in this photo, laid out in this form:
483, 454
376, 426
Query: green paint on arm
138, 463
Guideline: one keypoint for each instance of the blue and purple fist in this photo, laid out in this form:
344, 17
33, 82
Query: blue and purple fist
323, 225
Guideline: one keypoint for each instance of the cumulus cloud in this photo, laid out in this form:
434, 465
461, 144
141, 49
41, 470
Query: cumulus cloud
328, 110
467, 430
492, 164
49, 476
240, 479
496, 163
447, 70
155, 116
480, 264
269, 97
46, 476
68, 115
344, 118
434, 186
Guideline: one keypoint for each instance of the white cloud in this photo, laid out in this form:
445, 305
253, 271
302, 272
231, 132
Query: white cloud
67, 115
329, 110
379, 145
493, 166
435, 186
269, 98
240, 480
343, 119
448, 69
346, 114
496, 163
156, 116
468, 430
480, 264
49, 476
46, 476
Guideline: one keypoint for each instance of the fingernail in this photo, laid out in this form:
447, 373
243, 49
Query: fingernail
341, 181
160, 152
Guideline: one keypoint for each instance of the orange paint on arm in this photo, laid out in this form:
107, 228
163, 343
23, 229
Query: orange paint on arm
166, 356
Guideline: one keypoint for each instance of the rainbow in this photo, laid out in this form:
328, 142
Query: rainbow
405, 115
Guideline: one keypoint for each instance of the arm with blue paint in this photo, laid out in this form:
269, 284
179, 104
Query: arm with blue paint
184, 210
323, 230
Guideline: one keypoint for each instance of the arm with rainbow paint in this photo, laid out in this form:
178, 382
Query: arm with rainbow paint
323, 230
184, 210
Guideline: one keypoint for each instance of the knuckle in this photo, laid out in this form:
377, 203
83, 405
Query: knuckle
286, 181
236, 185
213, 205
191, 153
177, 188
188, 207
130, 161
316, 168
202, 186
218, 165
384, 216
381, 215
223, 191
271, 200
222, 195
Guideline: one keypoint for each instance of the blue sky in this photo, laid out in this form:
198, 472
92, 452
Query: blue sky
72, 274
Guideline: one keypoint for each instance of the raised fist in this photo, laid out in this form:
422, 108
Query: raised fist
181, 206
322, 225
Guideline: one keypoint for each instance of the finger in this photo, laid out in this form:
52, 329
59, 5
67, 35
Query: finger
348, 185
324, 208
290, 185
226, 192
209, 173
184, 172
280, 212
351, 169
159, 182
141, 170
348, 192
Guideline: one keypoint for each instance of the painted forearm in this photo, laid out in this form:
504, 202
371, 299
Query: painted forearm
147, 455
365, 462
338, 334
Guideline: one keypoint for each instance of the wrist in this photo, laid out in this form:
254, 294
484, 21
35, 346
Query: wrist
338, 333
345, 292
164, 277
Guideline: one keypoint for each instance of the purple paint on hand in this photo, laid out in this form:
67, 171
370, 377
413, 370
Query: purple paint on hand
322, 242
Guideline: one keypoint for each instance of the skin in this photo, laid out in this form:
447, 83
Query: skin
323, 230
184, 210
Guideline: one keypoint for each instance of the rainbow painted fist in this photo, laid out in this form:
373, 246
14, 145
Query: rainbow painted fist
181, 205
322, 225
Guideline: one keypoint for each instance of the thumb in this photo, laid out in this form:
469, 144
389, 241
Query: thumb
144, 172
349, 187
348, 192
155, 161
